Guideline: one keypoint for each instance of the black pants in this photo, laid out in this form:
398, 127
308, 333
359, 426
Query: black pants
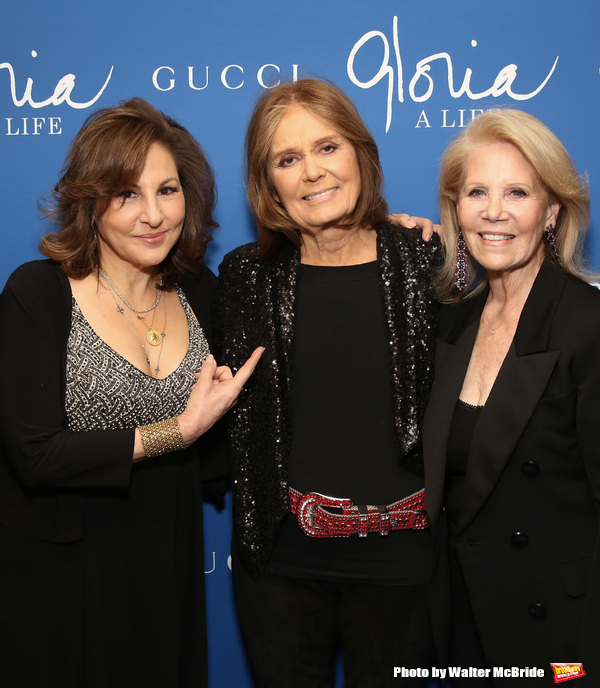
294, 628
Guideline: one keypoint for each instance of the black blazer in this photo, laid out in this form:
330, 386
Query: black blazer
527, 534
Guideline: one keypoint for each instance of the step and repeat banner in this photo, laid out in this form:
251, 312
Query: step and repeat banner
418, 70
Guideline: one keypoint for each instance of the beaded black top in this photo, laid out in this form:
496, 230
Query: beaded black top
106, 392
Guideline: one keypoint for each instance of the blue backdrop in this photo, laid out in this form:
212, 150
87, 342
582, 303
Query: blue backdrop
418, 70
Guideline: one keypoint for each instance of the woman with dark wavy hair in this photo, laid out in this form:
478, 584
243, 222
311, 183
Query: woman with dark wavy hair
108, 392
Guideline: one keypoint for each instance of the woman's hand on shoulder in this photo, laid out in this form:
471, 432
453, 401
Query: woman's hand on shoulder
427, 227
215, 392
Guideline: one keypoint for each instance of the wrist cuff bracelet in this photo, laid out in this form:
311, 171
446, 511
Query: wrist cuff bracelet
161, 438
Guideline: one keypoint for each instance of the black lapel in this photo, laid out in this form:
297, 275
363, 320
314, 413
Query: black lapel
517, 390
452, 356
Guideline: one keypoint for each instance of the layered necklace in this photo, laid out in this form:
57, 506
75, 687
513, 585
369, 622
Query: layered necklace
153, 337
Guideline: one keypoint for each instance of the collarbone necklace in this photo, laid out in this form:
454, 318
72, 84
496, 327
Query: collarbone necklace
493, 330
123, 298
153, 337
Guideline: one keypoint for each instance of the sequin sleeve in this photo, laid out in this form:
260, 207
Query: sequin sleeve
255, 307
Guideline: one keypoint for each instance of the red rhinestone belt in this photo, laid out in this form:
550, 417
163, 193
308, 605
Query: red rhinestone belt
316, 520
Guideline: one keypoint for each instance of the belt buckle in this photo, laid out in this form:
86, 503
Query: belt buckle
306, 510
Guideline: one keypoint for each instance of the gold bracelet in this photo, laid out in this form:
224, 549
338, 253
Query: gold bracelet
161, 438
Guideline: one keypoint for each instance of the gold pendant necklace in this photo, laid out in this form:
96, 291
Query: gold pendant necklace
154, 337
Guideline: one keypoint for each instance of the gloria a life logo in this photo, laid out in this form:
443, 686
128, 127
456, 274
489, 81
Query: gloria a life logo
565, 672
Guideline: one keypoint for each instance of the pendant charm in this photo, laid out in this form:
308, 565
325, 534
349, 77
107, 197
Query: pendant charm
154, 337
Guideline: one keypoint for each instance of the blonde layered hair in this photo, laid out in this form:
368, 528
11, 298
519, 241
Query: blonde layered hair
556, 172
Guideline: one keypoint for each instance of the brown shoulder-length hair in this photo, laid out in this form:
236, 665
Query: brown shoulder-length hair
106, 157
556, 172
326, 102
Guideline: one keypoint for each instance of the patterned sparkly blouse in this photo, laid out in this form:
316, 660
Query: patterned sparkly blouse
106, 392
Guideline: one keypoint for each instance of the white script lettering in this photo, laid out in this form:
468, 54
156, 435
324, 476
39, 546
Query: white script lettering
62, 90
421, 85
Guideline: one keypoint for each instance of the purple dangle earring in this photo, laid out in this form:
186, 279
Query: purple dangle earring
461, 263
551, 237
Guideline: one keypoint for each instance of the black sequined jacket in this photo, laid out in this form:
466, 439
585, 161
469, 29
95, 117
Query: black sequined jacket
255, 307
